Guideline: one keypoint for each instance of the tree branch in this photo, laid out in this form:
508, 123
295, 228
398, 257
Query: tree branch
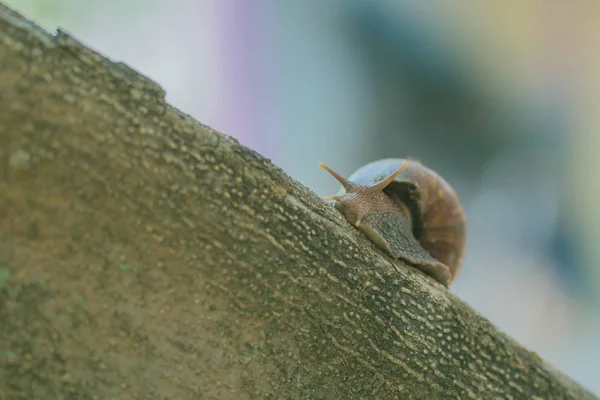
144, 255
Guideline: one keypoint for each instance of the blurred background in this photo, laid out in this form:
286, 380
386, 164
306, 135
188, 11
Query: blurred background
501, 98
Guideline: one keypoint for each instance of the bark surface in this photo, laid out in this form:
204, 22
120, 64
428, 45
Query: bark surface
145, 256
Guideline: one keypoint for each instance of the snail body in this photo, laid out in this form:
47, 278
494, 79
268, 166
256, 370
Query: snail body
409, 211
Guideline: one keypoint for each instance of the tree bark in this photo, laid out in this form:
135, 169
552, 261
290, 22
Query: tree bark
144, 255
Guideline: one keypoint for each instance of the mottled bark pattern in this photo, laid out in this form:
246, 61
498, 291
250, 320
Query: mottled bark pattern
143, 255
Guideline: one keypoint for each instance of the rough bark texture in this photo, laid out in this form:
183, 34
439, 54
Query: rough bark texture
144, 255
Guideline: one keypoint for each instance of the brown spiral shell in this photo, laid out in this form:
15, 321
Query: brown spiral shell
438, 219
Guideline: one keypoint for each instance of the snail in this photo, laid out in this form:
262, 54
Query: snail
409, 211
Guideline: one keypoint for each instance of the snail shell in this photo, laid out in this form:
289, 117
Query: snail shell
408, 210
